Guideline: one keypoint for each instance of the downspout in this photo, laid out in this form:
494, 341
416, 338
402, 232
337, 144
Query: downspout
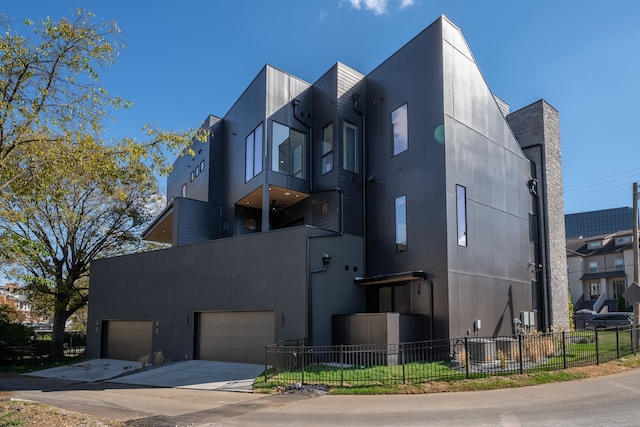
431, 308
309, 331
356, 108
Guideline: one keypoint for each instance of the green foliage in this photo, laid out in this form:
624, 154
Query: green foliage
8, 313
571, 311
14, 333
622, 304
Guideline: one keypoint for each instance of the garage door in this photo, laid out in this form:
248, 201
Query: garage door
234, 336
126, 339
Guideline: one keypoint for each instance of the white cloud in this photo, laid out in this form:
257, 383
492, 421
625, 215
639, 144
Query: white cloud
323, 13
406, 3
379, 7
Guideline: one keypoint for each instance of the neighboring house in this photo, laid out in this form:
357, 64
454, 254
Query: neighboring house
408, 194
12, 293
599, 268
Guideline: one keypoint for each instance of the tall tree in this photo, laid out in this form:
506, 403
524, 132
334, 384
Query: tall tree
49, 87
85, 201
67, 197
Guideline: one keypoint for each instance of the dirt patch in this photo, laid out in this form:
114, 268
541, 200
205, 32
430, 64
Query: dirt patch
36, 414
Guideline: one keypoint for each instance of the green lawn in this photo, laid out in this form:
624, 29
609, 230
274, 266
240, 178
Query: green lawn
546, 351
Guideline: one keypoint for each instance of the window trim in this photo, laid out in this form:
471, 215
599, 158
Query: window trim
356, 159
400, 146
289, 151
329, 153
400, 218
461, 216
253, 163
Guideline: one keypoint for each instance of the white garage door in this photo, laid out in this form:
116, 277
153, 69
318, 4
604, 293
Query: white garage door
126, 339
234, 336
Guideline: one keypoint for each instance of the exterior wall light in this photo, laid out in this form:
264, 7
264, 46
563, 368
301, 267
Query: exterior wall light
326, 259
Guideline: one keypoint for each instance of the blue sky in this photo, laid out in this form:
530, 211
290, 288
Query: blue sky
185, 60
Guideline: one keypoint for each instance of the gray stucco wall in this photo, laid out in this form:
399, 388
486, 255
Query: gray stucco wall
264, 271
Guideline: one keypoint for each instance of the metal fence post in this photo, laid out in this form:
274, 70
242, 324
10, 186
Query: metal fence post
266, 361
466, 356
521, 353
597, 349
618, 342
303, 357
404, 378
341, 365
564, 350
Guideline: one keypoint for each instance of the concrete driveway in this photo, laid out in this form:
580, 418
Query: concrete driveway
192, 374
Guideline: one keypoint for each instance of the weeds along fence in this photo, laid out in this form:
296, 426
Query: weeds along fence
442, 360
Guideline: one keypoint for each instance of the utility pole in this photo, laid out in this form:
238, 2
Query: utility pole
635, 267
635, 233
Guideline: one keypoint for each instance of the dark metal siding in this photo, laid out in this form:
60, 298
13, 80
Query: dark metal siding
216, 182
195, 221
243, 117
197, 189
333, 103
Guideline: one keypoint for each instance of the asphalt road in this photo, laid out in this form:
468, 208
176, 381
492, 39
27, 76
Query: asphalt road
608, 400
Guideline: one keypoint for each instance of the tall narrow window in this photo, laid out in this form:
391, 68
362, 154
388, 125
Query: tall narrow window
461, 210
350, 148
288, 151
253, 159
184, 190
327, 149
401, 224
593, 266
297, 153
399, 123
280, 148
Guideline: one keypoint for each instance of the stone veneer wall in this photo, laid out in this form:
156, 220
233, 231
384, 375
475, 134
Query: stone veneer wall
537, 128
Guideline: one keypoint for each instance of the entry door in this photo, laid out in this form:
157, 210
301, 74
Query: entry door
595, 290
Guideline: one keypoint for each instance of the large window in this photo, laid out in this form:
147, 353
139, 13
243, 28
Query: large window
461, 209
401, 224
288, 151
350, 148
619, 263
400, 127
327, 149
253, 159
593, 266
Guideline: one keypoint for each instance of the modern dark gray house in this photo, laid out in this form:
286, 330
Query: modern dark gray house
405, 204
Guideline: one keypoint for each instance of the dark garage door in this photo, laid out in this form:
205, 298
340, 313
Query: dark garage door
126, 339
234, 336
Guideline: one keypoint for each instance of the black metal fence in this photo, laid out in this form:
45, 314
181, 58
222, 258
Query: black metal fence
442, 360
38, 350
